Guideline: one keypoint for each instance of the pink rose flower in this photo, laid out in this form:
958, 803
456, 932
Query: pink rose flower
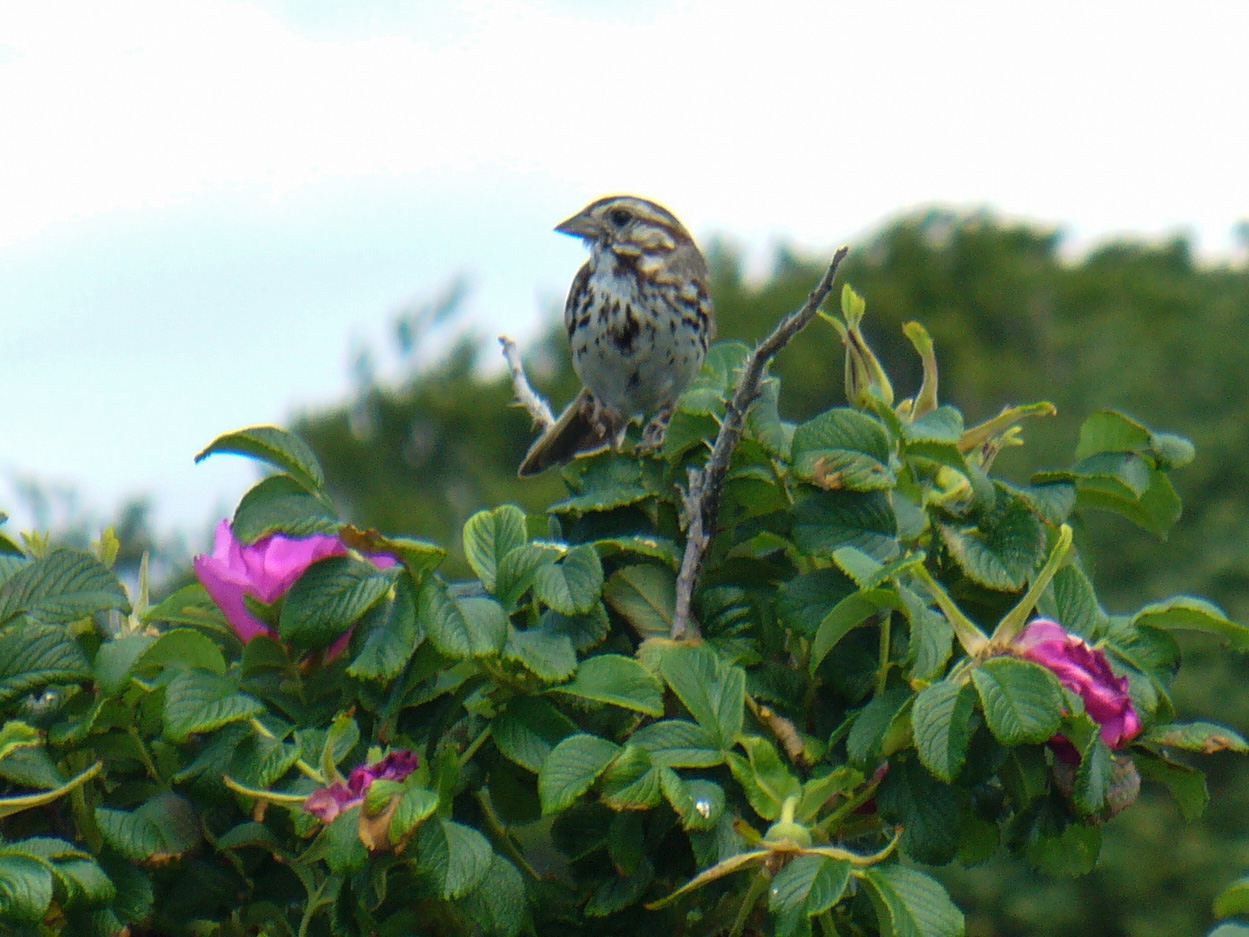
329, 802
1086, 672
265, 570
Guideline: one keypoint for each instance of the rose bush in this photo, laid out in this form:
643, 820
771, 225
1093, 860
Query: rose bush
877, 683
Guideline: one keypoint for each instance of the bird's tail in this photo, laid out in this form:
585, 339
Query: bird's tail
578, 431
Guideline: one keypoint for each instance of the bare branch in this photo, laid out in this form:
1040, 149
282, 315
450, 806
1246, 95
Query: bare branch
707, 485
534, 405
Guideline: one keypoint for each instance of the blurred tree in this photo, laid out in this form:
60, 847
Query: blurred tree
1136, 326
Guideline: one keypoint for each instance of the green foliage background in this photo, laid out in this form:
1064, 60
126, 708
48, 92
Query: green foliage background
1142, 328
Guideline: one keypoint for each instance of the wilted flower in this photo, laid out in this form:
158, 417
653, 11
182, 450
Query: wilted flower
329, 802
1086, 672
265, 570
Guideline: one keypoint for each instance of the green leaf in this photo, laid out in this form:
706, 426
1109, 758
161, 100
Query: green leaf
911, 904
391, 634
710, 387
1233, 900
572, 585
941, 719
1022, 701
644, 596
199, 701
1110, 431
1072, 852
763, 776
631, 781
527, 730
942, 425
808, 885
827, 520
874, 725
491, 535
926, 808
852, 611
62, 587
415, 804
15, 736
418, 556
1094, 777
699, 803
805, 601
280, 504
182, 649
1186, 784
618, 681
572, 766
1072, 600
498, 903
34, 655
1183, 613
453, 857
676, 743
712, 691
12, 805
1002, 549
115, 660
286, 451
25, 889
1204, 737
518, 568
549, 657
163, 828
474, 627
844, 444
329, 598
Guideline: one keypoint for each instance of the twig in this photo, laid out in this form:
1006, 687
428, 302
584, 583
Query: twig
707, 485
537, 408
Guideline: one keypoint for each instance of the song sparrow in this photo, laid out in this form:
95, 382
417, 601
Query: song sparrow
639, 320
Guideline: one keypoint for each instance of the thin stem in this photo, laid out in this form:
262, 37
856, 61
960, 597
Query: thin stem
707, 485
302, 766
534, 405
475, 744
886, 638
758, 885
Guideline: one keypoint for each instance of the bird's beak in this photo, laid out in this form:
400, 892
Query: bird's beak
580, 225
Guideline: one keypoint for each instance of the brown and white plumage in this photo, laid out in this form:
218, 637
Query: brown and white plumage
639, 319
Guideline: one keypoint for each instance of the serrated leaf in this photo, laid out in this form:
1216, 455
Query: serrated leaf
846, 445
712, 691
527, 730
1204, 737
618, 681
415, 804
1002, 549
676, 743
35, 655
572, 585
804, 602
941, 719
163, 828
474, 627
280, 504
498, 903
329, 598
1094, 776
181, 649
199, 701
1072, 852
631, 781
391, 634
1184, 613
283, 450
911, 904
572, 766
114, 660
454, 857
926, 809
517, 569
550, 657
1022, 701
645, 596
25, 889
1186, 784
828, 520
61, 587
491, 535
12, 805
808, 885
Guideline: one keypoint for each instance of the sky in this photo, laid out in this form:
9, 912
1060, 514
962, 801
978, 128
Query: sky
207, 208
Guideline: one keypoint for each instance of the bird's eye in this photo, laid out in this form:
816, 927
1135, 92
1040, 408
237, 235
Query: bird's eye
620, 217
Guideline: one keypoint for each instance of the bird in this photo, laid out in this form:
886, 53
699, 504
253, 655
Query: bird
639, 318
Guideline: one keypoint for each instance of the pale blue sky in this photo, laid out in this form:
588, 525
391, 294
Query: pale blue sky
205, 205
